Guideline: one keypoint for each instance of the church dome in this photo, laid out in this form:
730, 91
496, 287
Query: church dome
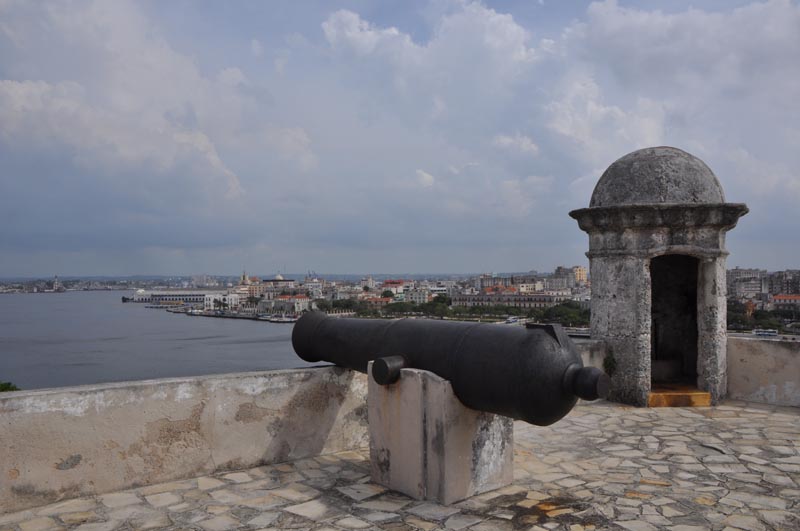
657, 175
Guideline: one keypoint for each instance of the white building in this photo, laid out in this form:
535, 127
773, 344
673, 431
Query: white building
418, 296
227, 301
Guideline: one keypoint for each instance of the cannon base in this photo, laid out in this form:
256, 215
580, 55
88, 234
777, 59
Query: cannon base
426, 444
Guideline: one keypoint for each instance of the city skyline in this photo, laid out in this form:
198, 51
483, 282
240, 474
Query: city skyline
158, 139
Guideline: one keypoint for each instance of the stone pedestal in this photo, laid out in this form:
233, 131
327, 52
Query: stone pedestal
426, 444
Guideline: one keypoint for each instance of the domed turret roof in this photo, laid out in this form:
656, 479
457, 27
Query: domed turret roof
657, 175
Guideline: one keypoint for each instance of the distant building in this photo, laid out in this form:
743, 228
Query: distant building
170, 296
221, 301
785, 282
293, 304
368, 282
418, 296
377, 303
786, 302
515, 300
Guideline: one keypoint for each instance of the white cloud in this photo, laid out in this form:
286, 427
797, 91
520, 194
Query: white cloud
293, 144
121, 100
520, 196
518, 142
601, 132
231, 77
425, 179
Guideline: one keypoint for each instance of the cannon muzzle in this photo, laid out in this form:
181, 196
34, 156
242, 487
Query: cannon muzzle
532, 374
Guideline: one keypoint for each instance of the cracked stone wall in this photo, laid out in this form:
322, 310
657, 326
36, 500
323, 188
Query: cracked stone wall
62, 443
621, 317
763, 370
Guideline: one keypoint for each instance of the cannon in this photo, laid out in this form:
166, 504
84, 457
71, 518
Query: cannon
528, 373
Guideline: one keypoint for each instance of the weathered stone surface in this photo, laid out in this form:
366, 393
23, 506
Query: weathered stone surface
116, 436
657, 175
425, 443
654, 203
764, 371
576, 482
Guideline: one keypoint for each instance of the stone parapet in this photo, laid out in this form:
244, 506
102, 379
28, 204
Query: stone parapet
63, 443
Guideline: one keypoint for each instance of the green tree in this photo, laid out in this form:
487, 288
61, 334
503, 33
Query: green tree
387, 293
8, 386
443, 299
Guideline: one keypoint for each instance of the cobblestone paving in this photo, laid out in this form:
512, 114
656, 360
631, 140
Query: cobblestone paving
605, 466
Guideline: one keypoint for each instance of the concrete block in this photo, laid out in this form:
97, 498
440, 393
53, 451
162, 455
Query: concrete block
426, 444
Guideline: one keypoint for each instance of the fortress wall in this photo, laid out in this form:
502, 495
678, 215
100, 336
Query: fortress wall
63, 443
767, 371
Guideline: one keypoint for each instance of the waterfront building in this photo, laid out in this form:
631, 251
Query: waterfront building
221, 301
287, 304
179, 296
515, 300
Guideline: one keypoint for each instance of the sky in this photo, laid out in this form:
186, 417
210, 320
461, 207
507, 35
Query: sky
409, 136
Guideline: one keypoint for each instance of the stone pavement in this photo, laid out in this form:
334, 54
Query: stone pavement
604, 466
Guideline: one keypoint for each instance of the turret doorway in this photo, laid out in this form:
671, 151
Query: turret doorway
674, 319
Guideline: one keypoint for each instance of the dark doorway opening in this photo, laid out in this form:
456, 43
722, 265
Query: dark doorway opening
674, 318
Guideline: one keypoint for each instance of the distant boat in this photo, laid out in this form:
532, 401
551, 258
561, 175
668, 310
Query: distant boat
283, 318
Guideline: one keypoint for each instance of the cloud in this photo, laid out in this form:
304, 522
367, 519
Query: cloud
518, 142
425, 179
121, 127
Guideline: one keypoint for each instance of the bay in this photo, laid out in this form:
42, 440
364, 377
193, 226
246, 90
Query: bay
87, 337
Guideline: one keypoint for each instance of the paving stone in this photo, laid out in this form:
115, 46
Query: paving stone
238, 477
759, 501
352, 522
387, 505
381, 517
154, 522
314, 510
78, 518
748, 523
264, 519
167, 487
110, 525
206, 483
264, 502
296, 492
419, 523
70, 506
362, 491
42, 523
461, 521
494, 524
18, 516
219, 523
119, 499
163, 499
636, 525
432, 511
226, 496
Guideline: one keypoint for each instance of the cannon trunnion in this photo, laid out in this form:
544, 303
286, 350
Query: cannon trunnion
532, 374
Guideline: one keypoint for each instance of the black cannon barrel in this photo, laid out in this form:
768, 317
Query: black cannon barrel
532, 374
